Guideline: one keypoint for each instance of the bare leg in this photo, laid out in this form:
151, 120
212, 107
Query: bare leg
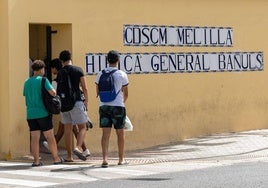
84, 147
35, 137
68, 140
52, 144
60, 132
76, 132
121, 143
81, 136
106, 132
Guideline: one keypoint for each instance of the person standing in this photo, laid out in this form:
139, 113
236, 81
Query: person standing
113, 112
78, 114
38, 117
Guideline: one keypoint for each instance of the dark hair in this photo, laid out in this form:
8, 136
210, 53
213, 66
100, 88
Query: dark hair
56, 63
38, 64
113, 56
65, 55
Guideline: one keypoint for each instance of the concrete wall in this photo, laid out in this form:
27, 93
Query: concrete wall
162, 107
4, 99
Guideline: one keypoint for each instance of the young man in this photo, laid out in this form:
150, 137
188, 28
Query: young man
114, 112
77, 115
55, 66
38, 117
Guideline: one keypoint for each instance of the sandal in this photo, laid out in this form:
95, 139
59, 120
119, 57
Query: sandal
79, 154
104, 165
60, 162
37, 165
68, 161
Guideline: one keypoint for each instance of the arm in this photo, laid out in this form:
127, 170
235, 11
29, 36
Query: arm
125, 93
52, 92
50, 88
84, 89
125, 87
97, 90
97, 82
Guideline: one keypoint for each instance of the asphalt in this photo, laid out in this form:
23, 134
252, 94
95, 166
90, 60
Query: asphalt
228, 146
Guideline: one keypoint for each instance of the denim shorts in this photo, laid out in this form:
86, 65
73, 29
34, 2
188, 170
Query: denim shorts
40, 124
112, 115
76, 116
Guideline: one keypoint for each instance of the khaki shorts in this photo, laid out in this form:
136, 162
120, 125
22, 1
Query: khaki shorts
76, 116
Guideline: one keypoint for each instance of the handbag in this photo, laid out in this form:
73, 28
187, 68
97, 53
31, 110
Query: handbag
52, 103
128, 125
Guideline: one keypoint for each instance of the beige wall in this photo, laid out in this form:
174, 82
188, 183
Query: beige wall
163, 107
4, 107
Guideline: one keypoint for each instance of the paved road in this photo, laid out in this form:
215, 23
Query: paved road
202, 158
249, 173
242, 175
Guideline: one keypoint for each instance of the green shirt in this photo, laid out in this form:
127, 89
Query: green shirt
32, 91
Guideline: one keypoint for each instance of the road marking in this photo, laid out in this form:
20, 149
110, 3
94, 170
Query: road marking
56, 175
27, 183
15, 174
13, 164
124, 171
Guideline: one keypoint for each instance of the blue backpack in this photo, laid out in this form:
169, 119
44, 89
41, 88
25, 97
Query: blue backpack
106, 87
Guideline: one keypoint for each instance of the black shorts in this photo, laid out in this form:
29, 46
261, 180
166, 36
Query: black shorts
40, 124
112, 115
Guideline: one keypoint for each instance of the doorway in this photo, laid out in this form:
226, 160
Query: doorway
46, 41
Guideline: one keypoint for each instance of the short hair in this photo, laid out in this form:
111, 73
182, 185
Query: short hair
38, 64
113, 56
65, 55
56, 63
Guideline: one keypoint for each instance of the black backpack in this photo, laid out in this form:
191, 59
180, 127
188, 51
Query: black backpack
52, 104
106, 86
66, 91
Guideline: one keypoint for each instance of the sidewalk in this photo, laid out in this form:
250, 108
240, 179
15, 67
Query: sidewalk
231, 146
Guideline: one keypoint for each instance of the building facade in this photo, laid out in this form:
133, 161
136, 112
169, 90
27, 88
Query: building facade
195, 67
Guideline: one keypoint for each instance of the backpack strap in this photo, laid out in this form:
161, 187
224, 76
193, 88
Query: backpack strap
112, 71
43, 84
69, 79
70, 85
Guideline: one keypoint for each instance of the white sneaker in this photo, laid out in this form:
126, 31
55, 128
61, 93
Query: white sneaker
45, 144
86, 153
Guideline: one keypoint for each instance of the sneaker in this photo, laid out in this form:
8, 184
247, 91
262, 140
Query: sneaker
123, 163
86, 153
45, 144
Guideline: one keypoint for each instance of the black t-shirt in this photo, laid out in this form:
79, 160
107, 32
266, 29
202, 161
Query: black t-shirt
75, 74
